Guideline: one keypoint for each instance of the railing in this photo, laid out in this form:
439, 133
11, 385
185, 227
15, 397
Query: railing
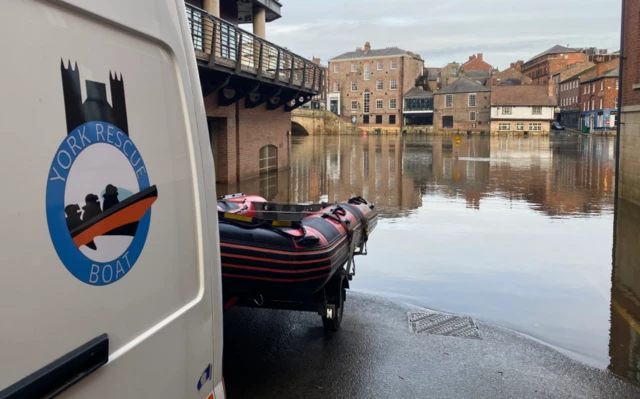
220, 43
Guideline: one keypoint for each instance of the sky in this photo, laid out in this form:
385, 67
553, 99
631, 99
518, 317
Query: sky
443, 31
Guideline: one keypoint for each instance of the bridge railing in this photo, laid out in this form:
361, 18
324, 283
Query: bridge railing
219, 43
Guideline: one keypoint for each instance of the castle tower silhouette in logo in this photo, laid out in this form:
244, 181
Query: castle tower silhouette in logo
95, 108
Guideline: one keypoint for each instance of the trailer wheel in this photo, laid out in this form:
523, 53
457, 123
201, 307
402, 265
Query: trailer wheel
336, 298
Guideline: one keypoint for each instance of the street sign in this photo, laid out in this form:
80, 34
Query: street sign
457, 140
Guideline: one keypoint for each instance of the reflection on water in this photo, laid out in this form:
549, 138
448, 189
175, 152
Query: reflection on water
512, 230
624, 347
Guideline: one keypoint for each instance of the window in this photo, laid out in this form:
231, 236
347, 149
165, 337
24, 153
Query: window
593, 104
336, 87
354, 105
602, 86
447, 122
616, 103
393, 103
519, 127
194, 18
379, 103
472, 100
617, 84
394, 64
336, 68
380, 65
392, 119
600, 104
365, 119
268, 158
537, 110
584, 107
504, 127
448, 101
393, 84
472, 115
593, 87
506, 110
379, 84
585, 90
378, 119
367, 98
535, 127
367, 71
454, 71
354, 67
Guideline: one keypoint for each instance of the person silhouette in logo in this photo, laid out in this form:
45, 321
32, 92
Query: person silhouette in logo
92, 207
73, 216
110, 197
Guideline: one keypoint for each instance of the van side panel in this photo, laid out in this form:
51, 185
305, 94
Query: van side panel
105, 220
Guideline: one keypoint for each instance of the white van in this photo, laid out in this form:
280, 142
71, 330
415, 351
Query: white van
110, 278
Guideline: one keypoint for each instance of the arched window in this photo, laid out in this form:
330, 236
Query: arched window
268, 158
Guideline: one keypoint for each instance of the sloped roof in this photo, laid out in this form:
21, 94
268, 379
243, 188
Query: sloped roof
385, 52
557, 49
576, 71
432, 74
613, 73
522, 96
463, 85
418, 92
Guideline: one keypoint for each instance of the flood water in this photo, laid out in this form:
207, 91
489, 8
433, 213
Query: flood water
517, 231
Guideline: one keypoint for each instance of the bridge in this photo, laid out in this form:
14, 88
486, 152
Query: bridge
306, 122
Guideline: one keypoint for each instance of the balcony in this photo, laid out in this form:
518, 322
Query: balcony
240, 65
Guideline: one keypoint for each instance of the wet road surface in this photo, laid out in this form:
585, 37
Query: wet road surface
286, 354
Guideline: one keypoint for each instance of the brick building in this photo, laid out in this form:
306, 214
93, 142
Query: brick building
567, 91
476, 63
448, 75
250, 86
599, 99
544, 65
366, 85
511, 76
430, 79
462, 106
629, 172
521, 110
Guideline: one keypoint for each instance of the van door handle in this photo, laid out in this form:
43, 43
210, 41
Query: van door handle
57, 376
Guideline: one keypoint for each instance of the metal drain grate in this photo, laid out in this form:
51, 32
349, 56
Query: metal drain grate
443, 324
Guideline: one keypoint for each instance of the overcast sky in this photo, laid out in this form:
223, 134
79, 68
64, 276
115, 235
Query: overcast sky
443, 31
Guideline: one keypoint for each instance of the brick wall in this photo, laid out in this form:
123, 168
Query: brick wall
629, 173
460, 112
605, 89
542, 70
239, 148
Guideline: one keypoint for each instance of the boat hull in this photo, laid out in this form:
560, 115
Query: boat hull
292, 261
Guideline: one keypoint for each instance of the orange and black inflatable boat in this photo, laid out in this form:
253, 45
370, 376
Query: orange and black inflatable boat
288, 251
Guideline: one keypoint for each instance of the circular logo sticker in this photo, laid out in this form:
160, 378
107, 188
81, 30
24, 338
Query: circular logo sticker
99, 203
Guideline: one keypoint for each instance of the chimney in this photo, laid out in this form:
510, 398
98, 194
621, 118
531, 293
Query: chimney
472, 57
601, 68
367, 47
480, 57
315, 60
358, 48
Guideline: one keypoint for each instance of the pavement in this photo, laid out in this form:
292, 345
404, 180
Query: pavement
286, 354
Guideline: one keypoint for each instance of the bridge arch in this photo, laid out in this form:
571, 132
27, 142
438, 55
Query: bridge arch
298, 130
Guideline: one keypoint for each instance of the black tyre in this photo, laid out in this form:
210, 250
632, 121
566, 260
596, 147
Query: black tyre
336, 298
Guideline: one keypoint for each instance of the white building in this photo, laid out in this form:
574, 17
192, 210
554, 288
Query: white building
522, 110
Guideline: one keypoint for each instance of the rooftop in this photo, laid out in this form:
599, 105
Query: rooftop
417, 92
374, 53
432, 74
522, 96
463, 85
576, 70
613, 73
557, 49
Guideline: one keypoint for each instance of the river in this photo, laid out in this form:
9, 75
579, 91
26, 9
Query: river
517, 231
